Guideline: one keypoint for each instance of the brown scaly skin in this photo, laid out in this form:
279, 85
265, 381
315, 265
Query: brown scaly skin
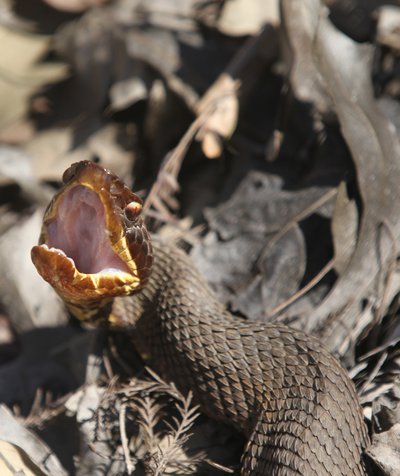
290, 397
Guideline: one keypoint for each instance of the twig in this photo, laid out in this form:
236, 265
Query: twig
255, 54
374, 372
150, 414
173, 163
40, 414
297, 218
219, 466
124, 440
290, 224
325, 270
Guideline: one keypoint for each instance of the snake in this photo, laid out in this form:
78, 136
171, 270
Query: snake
292, 399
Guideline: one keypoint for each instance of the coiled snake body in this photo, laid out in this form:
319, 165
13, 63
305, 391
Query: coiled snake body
290, 397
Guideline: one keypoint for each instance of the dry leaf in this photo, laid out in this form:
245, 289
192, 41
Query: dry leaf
385, 450
388, 28
9, 19
345, 67
241, 17
220, 105
51, 152
13, 460
16, 166
375, 149
26, 309
300, 20
344, 228
75, 5
25, 448
20, 72
127, 92
241, 256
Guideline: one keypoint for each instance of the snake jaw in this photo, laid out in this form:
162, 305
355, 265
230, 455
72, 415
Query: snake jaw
93, 245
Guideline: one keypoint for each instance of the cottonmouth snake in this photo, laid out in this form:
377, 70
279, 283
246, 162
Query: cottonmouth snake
290, 397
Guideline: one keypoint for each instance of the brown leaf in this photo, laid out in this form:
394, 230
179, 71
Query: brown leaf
21, 73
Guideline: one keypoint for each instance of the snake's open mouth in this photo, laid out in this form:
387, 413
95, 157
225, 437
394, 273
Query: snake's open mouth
93, 243
79, 231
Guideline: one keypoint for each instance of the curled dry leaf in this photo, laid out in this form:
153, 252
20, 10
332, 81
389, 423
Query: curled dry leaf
25, 449
375, 150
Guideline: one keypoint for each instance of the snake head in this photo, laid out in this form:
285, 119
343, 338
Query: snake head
93, 245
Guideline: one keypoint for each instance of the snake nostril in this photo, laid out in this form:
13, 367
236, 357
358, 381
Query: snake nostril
70, 173
73, 170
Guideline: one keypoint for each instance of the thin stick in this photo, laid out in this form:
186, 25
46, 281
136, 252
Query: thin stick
374, 372
299, 217
129, 466
173, 163
255, 54
325, 270
226, 469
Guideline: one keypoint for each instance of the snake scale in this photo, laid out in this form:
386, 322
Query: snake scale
291, 398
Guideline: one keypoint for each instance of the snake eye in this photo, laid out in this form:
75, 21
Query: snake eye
132, 210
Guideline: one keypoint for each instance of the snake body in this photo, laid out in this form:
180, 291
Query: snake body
280, 387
